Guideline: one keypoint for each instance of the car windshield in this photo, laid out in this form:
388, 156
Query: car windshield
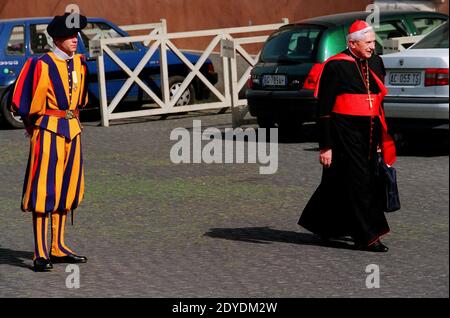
294, 45
99, 30
437, 39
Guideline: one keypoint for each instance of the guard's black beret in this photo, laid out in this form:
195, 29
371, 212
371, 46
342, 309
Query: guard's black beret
66, 25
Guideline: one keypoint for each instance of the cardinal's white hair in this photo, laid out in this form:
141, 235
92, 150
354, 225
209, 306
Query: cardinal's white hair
359, 35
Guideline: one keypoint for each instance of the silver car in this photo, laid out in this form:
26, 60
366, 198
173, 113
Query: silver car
417, 79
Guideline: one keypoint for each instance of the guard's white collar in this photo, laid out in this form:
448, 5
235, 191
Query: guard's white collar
61, 54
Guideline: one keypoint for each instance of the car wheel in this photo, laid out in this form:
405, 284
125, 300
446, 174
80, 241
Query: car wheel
289, 128
265, 122
188, 96
401, 140
289, 124
9, 118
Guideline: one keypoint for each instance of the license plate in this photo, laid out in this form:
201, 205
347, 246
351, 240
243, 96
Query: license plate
405, 78
274, 80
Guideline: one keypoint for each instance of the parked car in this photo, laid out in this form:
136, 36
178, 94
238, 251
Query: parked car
278, 93
21, 39
417, 79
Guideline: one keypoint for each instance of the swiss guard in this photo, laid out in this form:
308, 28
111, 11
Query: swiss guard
353, 133
48, 94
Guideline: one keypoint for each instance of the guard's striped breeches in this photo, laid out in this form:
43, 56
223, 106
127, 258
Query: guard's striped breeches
54, 179
40, 230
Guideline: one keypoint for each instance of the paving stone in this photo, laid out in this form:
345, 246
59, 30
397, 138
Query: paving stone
152, 228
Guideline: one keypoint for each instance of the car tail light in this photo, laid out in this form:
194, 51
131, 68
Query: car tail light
436, 76
313, 77
250, 82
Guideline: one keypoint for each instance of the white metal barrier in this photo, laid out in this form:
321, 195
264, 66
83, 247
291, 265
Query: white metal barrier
160, 39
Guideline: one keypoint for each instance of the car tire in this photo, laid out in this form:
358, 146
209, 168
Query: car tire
265, 122
188, 96
289, 128
11, 120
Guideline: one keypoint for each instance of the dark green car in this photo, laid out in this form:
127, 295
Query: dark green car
277, 94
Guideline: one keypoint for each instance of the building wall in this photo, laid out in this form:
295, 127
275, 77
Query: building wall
442, 6
187, 15
184, 15
430, 5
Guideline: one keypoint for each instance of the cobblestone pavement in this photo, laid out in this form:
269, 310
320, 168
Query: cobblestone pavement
151, 228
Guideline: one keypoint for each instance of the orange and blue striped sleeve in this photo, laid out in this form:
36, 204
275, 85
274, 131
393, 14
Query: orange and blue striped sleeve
83, 98
30, 92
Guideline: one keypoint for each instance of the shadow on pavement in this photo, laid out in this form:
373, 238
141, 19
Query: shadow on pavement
15, 258
424, 144
266, 235
92, 117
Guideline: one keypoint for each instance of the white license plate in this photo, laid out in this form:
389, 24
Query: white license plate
274, 80
405, 78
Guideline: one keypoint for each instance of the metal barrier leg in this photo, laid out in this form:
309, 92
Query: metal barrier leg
102, 91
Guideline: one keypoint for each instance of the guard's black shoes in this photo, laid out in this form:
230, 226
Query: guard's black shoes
375, 247
42, 264
71, 258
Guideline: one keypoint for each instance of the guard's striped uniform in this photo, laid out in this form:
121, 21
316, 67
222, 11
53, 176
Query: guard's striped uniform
54, 179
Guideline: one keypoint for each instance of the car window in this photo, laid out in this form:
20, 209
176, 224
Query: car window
426, 25
16, 41
295, 45
437, 39
388, 30
40, 41
391, 29
100, 30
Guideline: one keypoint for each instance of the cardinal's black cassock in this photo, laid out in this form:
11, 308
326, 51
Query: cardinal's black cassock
351, 122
